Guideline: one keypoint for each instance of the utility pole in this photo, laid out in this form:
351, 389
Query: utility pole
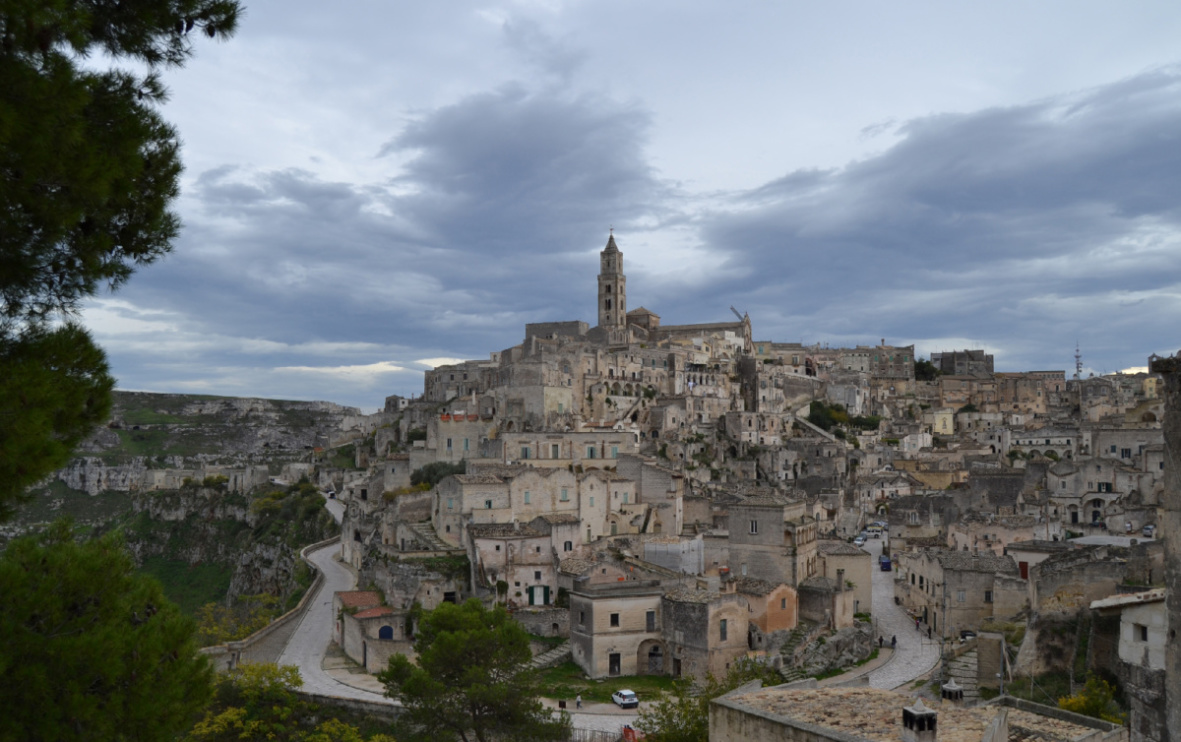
943, 637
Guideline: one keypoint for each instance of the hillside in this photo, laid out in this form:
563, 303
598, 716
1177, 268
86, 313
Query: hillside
206, 489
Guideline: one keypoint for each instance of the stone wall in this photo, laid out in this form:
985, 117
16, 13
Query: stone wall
541, 621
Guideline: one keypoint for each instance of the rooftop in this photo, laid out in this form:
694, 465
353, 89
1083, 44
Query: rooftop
358, 598
876, 715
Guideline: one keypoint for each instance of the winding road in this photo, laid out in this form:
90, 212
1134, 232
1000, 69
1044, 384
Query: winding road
915, 654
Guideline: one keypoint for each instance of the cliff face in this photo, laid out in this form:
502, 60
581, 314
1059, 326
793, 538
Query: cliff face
257, 538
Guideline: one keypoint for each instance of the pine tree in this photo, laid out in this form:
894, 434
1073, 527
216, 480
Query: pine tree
473, 680
92, 649
88, 169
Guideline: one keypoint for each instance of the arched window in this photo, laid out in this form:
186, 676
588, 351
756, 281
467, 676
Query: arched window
385, 632
568, 546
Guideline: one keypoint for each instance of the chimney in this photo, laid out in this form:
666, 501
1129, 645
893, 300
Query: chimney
953, 693
918, 722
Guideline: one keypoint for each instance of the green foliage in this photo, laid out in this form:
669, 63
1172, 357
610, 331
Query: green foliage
473, 678
435, 472
683, 714
968, 408
189, 585
92, 649
392, 495
1096, 699
294, 516
827, 417
567, 680
258, 702
218, 623
54, 388
924, 370
416, 434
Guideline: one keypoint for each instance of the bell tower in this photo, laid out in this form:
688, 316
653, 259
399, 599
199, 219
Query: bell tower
612, 287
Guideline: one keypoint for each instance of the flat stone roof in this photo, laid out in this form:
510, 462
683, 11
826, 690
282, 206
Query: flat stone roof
876, 715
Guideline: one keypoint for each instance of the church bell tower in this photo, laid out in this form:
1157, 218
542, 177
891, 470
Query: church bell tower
612, 287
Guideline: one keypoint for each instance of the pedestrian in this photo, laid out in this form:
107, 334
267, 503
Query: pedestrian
893, 642
928, 632
578, 701
916, 624
881, 641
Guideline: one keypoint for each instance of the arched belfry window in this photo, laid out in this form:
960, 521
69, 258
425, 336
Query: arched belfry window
608, 288
608, 303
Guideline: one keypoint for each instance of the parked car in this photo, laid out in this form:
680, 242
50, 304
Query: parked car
966, 635
859, 541
1149, 530
625, 699
884, 563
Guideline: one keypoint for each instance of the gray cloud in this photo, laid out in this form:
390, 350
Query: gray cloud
1018, 228
1024, 227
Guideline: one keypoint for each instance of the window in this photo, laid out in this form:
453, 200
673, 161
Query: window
527, 497
961, 596
592, 501
450, 503
920, 581
465, 444
448, 444
590, 452
615, 619
754, 526
783, 604
525, 452
498, 547
615, 452
1125, 453
650, 620
987, 596
582, 618
537, 575
1140, 632
624, 498
487, 504
565, 495
554, 451
537, 550
568, 546
722, 629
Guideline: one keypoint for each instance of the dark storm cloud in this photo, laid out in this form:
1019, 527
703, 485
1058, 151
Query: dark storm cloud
499, 200
1022, 227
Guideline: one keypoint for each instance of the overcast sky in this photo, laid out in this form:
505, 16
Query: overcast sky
374, 188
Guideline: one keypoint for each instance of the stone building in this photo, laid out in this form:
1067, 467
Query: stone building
772, 538
951, 591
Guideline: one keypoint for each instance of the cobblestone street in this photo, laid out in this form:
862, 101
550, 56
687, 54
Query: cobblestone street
916, 654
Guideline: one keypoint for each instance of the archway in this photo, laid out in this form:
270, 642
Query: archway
650, 658
385, 632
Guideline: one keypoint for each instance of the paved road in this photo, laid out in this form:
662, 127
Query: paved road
306, 648
916, 654
309, 643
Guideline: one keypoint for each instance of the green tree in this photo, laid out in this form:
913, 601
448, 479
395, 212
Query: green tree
924, 370
257, 701
683, 714
92, 649
1096, 699
88, 169
54, 388
473, 680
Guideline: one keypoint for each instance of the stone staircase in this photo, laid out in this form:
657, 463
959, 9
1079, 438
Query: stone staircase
425, 533
963, 670
551, 657
787, 651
